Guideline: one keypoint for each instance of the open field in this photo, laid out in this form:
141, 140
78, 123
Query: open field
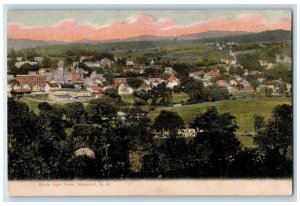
242, 109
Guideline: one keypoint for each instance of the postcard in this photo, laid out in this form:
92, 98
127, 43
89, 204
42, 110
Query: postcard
149, 102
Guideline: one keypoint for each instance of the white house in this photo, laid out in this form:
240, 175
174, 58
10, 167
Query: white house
172, 81
52, 86
153, 82
125, 89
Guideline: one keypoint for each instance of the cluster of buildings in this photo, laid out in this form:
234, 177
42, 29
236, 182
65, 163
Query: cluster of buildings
86, 87
238, 83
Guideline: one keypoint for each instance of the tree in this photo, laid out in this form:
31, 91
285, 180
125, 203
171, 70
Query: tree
24, 162
255, 84
247, 163
143, 97
168, 121
283, 89
51, 137
46, 62
25, 68
137, 124
268, 92
240, 86
30, 54
134, 82
100, 109
249, 61
75, 112
277, 134
259, 122
150, 165
217, 132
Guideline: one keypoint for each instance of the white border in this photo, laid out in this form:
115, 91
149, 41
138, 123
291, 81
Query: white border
110, 4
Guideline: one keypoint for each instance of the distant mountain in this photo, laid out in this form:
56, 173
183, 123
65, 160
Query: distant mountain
28, 43
213, 34
265, 36
208, 34
146, 41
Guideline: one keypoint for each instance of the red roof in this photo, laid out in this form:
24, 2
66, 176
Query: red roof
96, 88
213, 73
222, 83
172, 78
21, 90
270, 83
53, 84
249, 88
198, 73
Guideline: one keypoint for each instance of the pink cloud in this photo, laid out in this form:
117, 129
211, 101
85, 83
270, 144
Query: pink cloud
69, 30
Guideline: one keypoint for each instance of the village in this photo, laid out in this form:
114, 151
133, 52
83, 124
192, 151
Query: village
66, 83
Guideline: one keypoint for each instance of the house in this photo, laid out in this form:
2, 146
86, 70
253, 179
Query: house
67, 94
172, 81
23, 91
271, 84
129, 63
52, 86
213, 74
118, 82
28, 81
44, 70
125, 89
187, 133
197, 75
94, 89
85, 57
253, 72
38, 59
36, 88
169, 70
153, 82
93, 64
233, 82
144, 86
222, 83
77, 74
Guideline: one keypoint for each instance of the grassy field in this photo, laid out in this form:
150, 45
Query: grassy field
242, 109
179, 97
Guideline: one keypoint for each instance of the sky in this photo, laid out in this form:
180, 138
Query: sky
76, 25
